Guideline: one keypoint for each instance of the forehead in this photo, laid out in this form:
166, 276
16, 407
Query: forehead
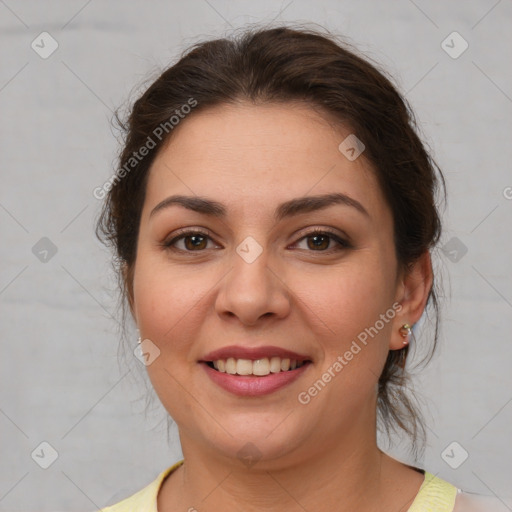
251, 157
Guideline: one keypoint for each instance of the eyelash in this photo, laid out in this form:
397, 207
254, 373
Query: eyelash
343, 244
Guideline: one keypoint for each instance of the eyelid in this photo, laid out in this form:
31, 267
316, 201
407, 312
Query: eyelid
313, 230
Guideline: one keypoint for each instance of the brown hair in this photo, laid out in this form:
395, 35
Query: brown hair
280, 65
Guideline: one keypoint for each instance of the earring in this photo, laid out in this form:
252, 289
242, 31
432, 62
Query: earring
139, 341
405, 332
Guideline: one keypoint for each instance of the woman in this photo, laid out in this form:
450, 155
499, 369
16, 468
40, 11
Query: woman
273, 216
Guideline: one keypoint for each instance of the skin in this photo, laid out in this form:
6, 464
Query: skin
314, 301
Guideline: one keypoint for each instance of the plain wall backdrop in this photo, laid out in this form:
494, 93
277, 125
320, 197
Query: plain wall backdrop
61, 382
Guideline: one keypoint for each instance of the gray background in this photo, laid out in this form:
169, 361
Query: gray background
61, 381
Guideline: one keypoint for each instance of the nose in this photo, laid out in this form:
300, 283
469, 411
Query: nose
253, 290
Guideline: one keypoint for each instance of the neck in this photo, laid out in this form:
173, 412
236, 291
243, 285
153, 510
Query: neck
354, 475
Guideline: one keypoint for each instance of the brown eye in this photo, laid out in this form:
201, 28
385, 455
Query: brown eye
193, 241
196, 242
320, 241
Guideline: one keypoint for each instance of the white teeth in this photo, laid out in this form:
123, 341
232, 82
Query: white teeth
231, 366
259, 367
243, 366
275, 365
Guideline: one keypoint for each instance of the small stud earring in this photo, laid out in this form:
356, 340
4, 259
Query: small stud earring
405, 332
139, 341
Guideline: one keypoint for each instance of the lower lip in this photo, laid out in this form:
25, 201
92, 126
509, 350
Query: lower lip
245, 385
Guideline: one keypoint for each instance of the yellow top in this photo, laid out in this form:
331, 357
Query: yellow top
434, 495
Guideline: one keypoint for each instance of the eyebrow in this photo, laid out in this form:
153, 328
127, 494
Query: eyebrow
289, 208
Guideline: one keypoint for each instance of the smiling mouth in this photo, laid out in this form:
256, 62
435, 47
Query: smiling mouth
256, 368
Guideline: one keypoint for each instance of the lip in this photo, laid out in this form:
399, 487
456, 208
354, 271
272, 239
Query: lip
240, 352
246, 385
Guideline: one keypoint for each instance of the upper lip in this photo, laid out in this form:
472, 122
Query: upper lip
240, 352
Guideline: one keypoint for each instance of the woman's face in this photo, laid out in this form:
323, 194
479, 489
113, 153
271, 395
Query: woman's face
260, 283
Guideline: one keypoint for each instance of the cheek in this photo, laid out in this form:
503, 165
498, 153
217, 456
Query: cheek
170, 313
168, 303
355, 308
355, 305
347, 299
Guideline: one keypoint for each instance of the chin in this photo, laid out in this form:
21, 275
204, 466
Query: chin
258, 442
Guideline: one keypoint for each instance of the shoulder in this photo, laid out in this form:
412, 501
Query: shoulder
439, 495
144, 500
141, 501
468, 502
434, 494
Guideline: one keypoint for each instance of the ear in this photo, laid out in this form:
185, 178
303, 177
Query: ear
413, 289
